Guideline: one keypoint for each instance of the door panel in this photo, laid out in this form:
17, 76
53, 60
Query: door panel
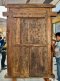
38, 61
34, 36
30, 47
33, 31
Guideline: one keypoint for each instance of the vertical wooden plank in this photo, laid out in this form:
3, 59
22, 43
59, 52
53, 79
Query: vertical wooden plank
8, 46
16, 47
11, 31
24, 31
24, 61
49, 44
10, 51
24, 51
18, 31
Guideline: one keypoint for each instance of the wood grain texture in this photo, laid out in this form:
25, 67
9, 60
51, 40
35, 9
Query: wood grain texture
29, 41
30, 5
18, 31
37, 64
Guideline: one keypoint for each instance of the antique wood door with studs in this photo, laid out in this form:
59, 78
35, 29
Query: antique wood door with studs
29, 40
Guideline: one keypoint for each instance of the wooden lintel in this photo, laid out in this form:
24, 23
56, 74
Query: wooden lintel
30, 6
52, 14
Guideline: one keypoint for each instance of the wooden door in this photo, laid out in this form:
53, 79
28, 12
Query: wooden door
28, 45
34, 39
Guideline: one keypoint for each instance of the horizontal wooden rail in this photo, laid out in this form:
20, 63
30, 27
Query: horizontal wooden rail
31, 45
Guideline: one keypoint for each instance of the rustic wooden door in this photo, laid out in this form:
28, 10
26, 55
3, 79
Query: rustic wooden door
29, 40
29, 48
34, 46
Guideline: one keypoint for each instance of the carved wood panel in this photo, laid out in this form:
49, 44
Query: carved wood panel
35, 37
38, 61
32, 31
30, 47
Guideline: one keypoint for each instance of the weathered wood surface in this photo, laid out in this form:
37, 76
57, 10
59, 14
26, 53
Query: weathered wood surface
29, 41
30, 5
